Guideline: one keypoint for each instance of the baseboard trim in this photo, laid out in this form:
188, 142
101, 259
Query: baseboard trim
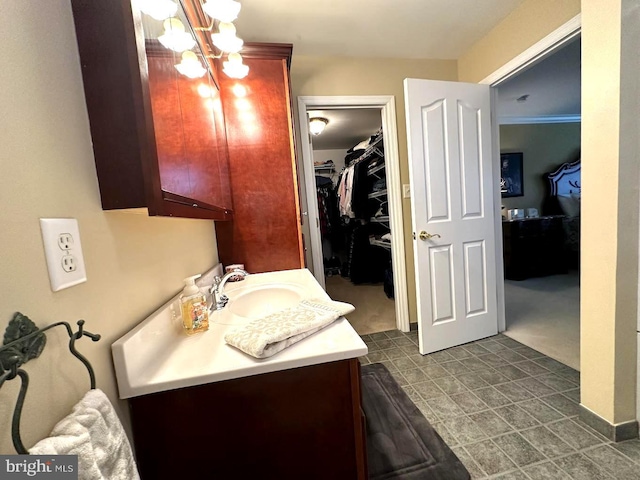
617, 433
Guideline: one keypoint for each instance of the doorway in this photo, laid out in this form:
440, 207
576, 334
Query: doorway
428, 98
540, 132
349, 166
385, 221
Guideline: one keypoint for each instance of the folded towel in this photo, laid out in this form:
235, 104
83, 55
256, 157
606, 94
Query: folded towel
93, 432
269, 335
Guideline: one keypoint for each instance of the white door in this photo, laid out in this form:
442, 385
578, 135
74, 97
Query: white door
453, 211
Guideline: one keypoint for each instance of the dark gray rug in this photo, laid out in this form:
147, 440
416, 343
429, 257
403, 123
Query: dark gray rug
401, 444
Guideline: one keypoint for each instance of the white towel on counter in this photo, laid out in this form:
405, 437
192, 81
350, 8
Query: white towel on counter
93, 432
269, 335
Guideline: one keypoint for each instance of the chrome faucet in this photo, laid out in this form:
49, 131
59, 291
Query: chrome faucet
219, 300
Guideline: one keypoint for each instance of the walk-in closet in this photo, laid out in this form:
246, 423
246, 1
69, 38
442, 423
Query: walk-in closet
353, 205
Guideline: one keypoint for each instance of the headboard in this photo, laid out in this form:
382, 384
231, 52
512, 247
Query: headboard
565, 180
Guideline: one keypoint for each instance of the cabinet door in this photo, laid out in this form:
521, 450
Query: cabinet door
262, 166
200, 138
224, 197
134, 100
189, 133
164, 89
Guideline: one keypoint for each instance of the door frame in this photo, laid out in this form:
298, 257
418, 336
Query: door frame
394, 187
532, 55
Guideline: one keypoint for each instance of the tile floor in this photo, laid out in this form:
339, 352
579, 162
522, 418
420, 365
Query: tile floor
506, 410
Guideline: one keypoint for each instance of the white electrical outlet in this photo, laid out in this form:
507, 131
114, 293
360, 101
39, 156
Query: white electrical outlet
406, 190
63, 250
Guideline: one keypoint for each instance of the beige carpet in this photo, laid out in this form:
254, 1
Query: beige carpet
374, 311
544, 314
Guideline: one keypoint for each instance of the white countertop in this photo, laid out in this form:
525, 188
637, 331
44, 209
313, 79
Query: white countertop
157, 356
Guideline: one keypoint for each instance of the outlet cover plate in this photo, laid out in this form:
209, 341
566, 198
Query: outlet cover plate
61, 238
406, 190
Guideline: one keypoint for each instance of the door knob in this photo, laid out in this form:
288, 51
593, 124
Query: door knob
426, 236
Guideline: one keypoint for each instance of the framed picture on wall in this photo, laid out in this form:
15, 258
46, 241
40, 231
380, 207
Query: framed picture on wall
511, 184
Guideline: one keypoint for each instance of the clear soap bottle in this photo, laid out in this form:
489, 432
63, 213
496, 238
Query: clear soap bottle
193, 307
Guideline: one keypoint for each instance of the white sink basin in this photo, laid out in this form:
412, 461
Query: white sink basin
254, 301
157, 356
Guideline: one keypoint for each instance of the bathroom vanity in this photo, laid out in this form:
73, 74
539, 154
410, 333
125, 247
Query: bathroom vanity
202, 409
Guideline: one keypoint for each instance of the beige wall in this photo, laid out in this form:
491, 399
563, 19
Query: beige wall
609, 274
544, 148
526, 25
134, 263
373, 76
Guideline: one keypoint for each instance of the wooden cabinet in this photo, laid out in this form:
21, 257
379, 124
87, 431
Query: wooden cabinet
157, 143
300, 423
266, 232
191, 144
533, 247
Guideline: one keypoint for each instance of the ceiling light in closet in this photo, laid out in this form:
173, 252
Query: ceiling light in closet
158, 9
223, 10
234, 67
317, 124
523, 98
226, 39
175, 38
190, 65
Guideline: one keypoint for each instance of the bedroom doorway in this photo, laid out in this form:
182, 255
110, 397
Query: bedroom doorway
539, 117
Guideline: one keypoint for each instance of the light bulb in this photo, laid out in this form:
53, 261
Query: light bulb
226, 39
175, 38
234, 67
234, 58
317, 124
227, 28
223, 10
158, 9
190, 66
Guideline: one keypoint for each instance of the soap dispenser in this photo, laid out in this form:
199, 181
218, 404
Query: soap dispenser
193, 307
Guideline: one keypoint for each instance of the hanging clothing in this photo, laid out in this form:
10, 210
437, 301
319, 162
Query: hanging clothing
345, 190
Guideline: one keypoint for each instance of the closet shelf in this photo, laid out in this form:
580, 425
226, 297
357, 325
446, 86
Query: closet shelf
376, 169
380, 219
380, 243
371, 149
324, 168
381, 193
375, 143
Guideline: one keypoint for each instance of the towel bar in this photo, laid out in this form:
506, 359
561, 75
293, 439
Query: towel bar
24, 341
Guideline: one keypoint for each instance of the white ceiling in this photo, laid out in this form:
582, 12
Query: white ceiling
553, 86
439, 29
346, 127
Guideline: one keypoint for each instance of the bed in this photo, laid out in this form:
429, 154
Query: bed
564, 196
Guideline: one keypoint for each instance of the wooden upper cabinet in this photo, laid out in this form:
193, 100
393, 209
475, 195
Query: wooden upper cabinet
158, 142
266, 232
